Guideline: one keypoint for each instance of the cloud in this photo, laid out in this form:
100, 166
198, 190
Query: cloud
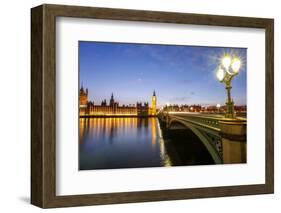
192, 93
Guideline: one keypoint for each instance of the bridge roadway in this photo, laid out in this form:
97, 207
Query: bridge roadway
205, 126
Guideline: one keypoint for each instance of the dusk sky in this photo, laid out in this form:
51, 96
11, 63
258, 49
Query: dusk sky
178, 74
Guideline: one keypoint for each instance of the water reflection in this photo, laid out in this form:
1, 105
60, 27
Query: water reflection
131, 142
107, 143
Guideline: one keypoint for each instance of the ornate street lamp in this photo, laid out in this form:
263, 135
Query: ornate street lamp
228, 68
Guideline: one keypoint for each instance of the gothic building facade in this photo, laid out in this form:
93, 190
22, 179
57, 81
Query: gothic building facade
88, 108
83, 97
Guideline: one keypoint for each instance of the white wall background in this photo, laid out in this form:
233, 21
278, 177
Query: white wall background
15, 104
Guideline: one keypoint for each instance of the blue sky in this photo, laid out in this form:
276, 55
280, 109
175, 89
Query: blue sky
178, 74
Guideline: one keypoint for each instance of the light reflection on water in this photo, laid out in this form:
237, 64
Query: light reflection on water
107, 143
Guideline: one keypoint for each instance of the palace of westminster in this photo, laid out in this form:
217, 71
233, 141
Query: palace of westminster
88, 108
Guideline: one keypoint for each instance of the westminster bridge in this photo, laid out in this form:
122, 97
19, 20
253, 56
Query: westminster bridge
224, 138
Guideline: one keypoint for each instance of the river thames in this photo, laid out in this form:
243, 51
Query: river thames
134, 142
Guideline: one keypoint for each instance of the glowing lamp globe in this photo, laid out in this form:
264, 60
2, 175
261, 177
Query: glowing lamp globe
220, 74
226, 61
236, 64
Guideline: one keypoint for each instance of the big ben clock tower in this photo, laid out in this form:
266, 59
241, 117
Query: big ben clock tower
154, 101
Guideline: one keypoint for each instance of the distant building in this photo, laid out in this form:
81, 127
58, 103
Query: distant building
241, 109
103, 103
83, 97
142, 109
154, 103
113, 109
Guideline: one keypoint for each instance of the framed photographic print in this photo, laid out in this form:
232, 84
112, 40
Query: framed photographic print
136, 106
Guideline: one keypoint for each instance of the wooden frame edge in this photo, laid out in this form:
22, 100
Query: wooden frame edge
36, 106
269, 105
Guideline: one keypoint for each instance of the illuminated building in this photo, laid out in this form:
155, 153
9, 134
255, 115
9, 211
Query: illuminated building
204, 109
154, 103
83, 97
88, 108
143, 109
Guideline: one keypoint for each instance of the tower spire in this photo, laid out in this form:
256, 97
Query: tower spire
111, 102
154, 103
82, 88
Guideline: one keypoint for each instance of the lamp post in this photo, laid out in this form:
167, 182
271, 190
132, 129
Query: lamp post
228, 68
